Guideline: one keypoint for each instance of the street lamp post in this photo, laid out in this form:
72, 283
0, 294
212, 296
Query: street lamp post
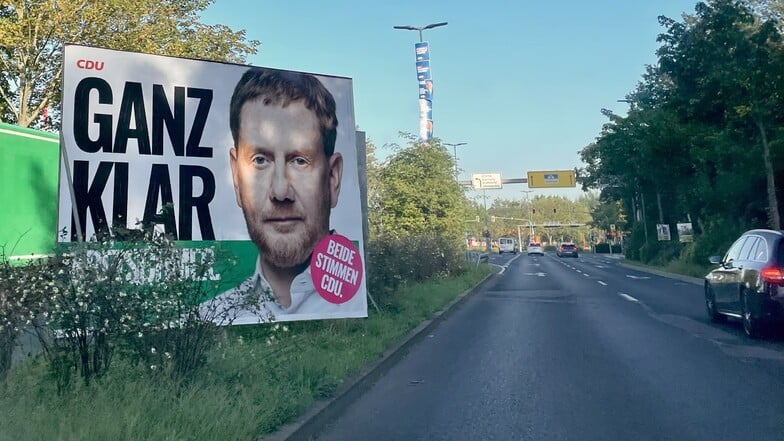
425, 80
454, 150
421, 28
487, 226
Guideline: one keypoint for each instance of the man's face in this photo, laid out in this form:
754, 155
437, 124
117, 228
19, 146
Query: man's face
283, 181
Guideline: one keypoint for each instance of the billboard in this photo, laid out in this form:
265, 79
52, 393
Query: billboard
685, 232
28, 189
262, 161
663, 232
551, 179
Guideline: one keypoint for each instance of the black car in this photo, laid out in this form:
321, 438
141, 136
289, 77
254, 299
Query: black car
567, 249
749, 282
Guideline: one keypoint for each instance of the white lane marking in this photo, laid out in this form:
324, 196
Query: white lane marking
511, 260
586, 275
628, 297
539, 274
637, 277
503, 268
601, 283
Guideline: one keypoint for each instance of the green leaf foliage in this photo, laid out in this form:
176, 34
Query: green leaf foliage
702, 140
419, 194
32, 34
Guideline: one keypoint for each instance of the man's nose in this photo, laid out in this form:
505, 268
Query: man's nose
281, 188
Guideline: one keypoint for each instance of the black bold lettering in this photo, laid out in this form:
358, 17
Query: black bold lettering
88, 196
193, 149
120, 201
162, 115
160, 189
202, 203
82, 113
132, 103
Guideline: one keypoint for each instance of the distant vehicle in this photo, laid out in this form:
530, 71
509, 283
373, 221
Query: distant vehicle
507, 245
535, 248
749, 282
567, 249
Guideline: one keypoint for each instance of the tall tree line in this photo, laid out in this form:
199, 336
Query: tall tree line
702, 141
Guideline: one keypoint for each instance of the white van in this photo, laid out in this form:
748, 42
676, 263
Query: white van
507, 245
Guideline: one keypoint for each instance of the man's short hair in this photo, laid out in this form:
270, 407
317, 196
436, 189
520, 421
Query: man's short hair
280, 87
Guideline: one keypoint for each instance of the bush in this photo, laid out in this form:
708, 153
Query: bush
20, 301
395, 260
659, 253
144, 301
604, 248
718, 235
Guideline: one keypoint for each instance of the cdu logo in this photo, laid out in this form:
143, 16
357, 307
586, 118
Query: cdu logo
89, 64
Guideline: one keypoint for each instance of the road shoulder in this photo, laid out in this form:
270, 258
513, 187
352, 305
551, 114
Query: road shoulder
322, 412
688, 279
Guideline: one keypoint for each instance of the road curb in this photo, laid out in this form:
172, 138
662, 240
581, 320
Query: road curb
688, 279
308, 425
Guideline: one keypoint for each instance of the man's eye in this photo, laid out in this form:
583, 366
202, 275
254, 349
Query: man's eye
259, 160
299, 161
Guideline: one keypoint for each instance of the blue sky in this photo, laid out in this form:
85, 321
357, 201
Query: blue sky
522, 82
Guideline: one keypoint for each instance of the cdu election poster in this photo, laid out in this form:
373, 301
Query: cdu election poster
257, 160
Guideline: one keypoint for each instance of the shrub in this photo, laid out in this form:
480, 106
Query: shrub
143, 300
395, 260
20, 301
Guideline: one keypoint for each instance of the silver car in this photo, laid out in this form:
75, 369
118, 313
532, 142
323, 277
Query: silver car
535, 248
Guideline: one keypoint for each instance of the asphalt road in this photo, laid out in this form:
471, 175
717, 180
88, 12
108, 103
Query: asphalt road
577, 349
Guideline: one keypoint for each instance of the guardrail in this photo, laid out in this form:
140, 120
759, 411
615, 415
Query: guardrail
477, 257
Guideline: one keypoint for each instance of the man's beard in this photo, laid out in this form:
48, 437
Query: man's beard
288, 249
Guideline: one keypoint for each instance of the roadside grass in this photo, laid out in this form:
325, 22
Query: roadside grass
677, 267
257, 379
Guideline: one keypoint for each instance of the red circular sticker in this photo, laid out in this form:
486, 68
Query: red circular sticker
336, 268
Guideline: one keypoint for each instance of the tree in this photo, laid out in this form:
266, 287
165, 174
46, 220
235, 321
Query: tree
703, 138
725, 66
418, 191
32, 34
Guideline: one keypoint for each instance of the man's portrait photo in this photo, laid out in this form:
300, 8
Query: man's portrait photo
251, 170
287, 178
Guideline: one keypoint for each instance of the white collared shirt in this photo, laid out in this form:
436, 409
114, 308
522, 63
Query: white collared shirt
306, 303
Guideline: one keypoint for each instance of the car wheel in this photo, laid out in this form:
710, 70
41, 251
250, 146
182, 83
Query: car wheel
710, 306
751, 325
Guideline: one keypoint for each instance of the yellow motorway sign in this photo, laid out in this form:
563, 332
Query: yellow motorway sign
551, 179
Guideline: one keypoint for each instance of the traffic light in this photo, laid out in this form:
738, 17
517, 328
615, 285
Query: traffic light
553, 210
533, 210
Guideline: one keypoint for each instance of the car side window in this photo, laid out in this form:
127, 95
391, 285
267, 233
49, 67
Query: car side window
748, 247
760, 252
734, 250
